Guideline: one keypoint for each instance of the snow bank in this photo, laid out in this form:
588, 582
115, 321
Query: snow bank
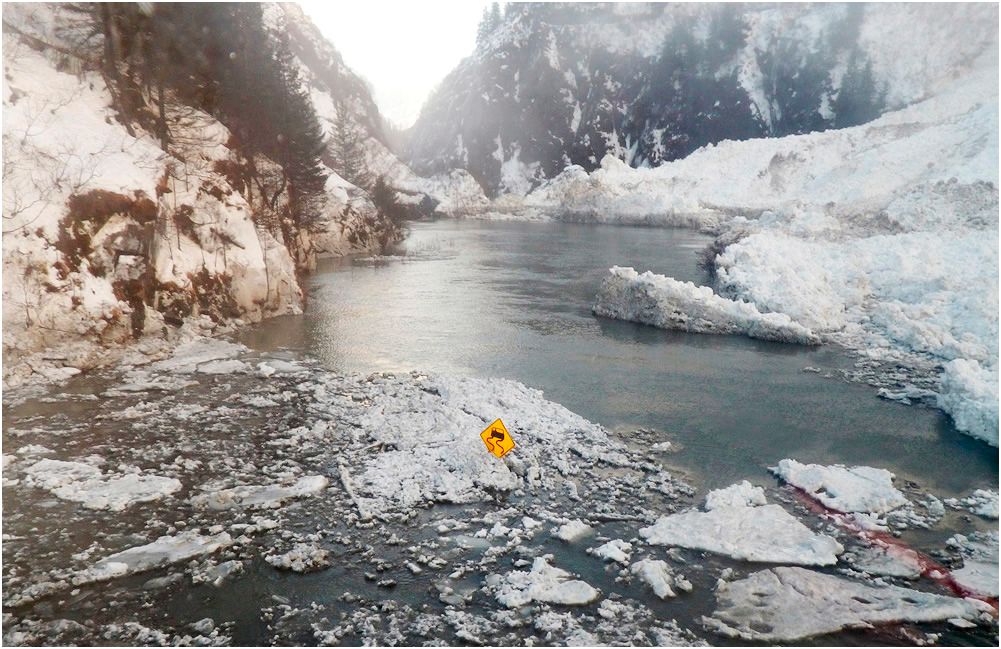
544, 583
738, 527
856, 489
164, 551
260, 496
970, 394
669, 304
881, 237
788, 604
86, 484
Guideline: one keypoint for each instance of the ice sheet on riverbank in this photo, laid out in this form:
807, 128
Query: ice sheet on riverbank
845, 489
669, 304
787, 604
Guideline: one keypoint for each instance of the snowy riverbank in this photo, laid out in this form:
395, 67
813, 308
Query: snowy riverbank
207, 472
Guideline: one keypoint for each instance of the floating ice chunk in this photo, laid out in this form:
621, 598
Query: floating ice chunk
855, 489
669, 304
544, 583
657, 574
164, 551
87, 485
615, 550
304, 557
784, 604
264, 496
187, 357
742, 494
889, 561
573, 531
767, 533
227, 366
981, 502
979, 573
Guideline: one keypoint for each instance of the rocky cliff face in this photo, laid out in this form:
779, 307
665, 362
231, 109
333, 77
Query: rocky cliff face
561, 84
110, 238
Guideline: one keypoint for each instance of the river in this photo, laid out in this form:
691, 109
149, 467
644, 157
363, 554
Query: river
496, 299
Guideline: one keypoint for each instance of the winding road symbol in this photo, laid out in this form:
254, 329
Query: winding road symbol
497, 439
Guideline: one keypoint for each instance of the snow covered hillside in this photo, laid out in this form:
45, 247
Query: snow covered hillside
882, 237
111, 236
551, 85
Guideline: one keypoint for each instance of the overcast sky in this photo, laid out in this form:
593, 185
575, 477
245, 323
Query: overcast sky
402, 48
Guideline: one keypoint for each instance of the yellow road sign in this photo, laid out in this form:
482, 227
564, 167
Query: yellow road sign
497, 439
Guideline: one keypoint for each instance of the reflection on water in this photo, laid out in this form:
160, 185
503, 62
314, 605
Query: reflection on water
513, 300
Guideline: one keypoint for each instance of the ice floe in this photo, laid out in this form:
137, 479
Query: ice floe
163, 551
785, 604
543, 583
981, 502
573, 531
742, 494
855, 489
659, 576
260, 496
615, 550
979, 573
88, 485
303, 557
766, 533
669, 304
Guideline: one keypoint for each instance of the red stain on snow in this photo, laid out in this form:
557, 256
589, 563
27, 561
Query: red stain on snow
895, 547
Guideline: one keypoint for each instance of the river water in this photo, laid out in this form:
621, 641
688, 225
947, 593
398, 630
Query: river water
513, 300
498, 299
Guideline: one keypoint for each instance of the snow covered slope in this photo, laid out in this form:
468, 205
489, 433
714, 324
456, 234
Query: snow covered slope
567, 83
882, 237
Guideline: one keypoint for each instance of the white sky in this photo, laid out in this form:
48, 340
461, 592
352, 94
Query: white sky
402, 48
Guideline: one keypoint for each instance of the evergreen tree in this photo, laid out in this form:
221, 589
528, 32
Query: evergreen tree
346, 149
859, 100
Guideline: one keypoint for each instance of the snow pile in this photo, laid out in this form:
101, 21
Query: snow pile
304, 557
742, 494
544, 583
164, 551
979, 573
669, 304
86, 484
788, 604
743, 529
856, 489
260, 496
658, 575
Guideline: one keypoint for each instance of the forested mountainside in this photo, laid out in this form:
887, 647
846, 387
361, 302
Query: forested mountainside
167, 163
551, 85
